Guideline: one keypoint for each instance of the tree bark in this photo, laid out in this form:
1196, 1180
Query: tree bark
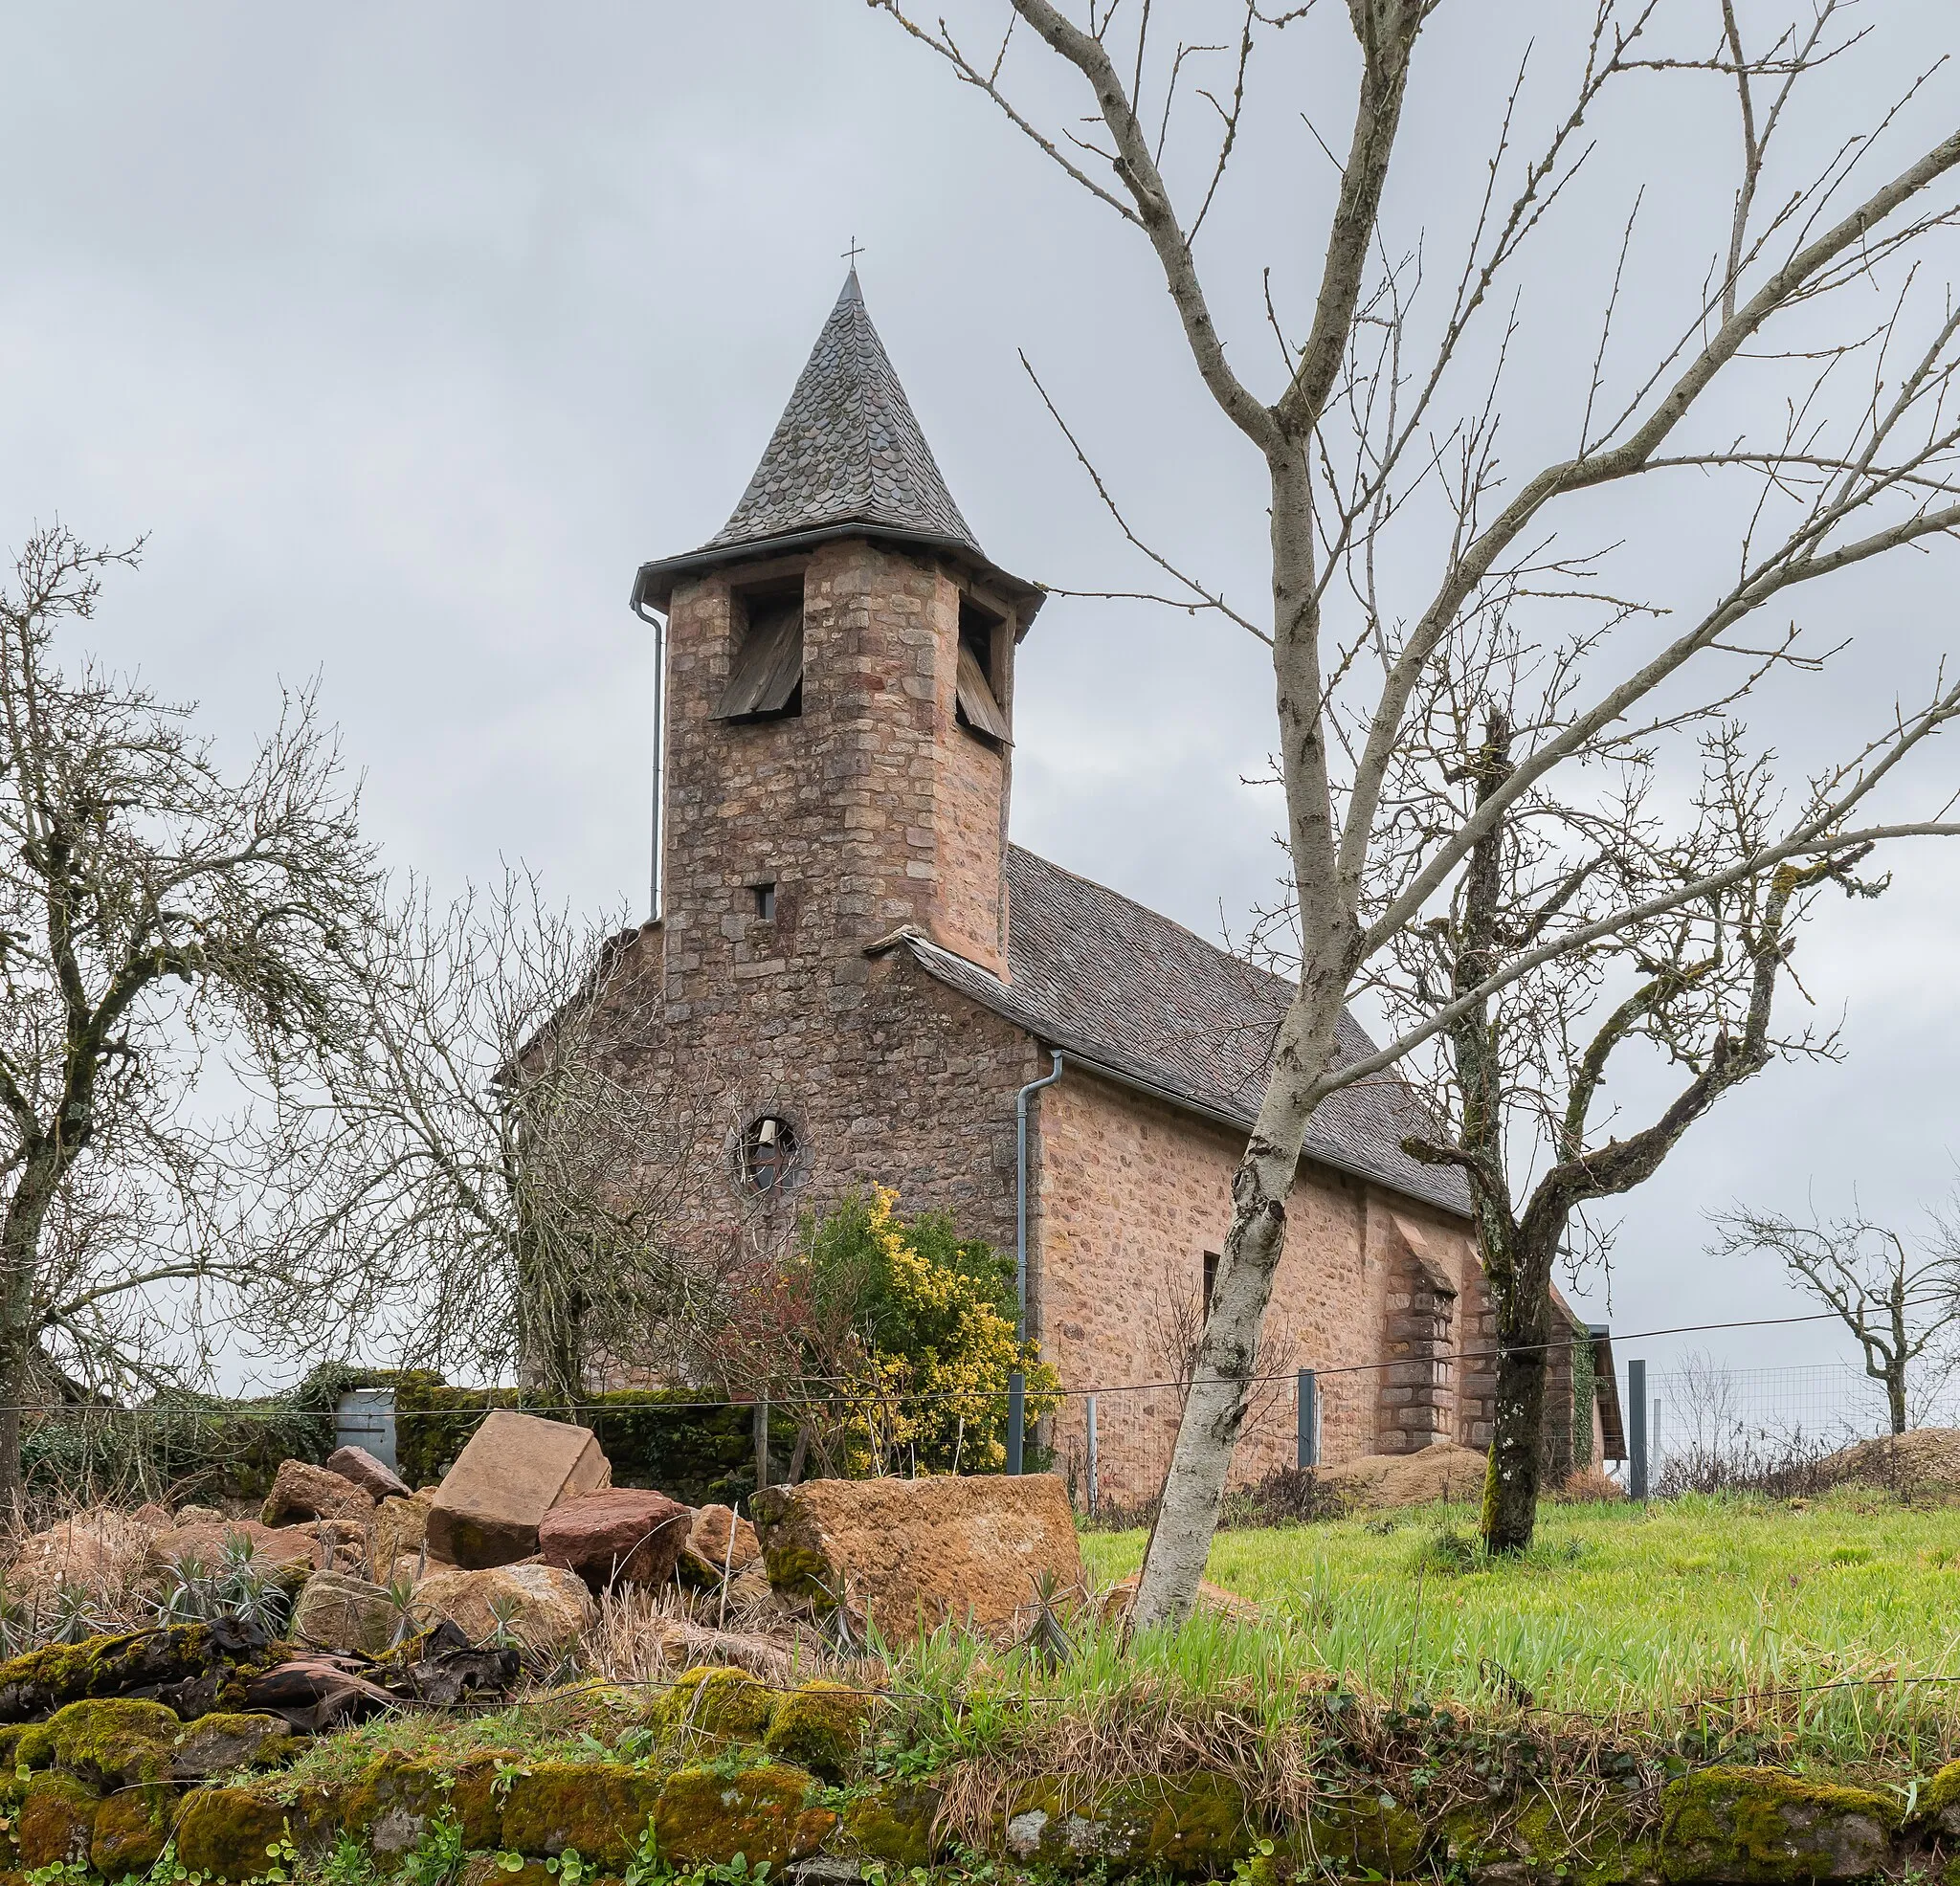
20, 1244
1522, 1307
1228, 1356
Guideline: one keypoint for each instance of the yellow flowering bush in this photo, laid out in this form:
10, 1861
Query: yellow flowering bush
928, 1325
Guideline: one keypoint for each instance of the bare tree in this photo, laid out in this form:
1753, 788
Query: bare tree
490, 1156
155, 912
1902, 1304
1379, 433
1523, 1070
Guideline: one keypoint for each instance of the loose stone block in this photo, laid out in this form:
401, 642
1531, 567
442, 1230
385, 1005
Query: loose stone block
621, 1536
513, 1471
372, 1477
337, 1611
545, 1606
914, 1554
301, 1491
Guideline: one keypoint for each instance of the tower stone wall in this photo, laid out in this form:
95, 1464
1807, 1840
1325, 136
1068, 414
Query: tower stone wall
869, 810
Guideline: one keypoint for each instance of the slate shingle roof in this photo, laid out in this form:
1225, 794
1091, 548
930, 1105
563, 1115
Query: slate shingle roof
1093, 972
847, 449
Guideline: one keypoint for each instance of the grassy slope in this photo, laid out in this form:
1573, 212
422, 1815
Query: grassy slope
1621, 1610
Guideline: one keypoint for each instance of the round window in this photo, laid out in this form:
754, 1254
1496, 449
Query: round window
768, 1154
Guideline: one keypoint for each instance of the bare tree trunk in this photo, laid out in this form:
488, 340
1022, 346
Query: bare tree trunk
1521, 1302
20, 1243
1228, 1358
1341, 832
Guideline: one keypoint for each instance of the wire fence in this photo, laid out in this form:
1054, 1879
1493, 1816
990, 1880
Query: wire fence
1702, 1410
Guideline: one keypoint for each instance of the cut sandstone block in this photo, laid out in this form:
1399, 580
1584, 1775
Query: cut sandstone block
543, 1608
914, 1554
515, 1468
395, 1537
709, 1552
303, 1491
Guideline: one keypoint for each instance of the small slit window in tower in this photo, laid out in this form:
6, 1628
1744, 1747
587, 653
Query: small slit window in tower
768, 1155
979, 709
1211, 1280
765, 678
765, 902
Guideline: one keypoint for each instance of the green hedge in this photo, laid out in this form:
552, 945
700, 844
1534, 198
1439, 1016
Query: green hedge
654, 1437
186, 1445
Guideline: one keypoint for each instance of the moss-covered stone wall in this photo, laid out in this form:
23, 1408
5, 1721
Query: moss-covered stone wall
112, 1787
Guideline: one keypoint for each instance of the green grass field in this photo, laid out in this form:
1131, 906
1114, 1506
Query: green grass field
1620, 1612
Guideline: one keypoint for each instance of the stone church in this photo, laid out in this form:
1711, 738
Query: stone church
871, 971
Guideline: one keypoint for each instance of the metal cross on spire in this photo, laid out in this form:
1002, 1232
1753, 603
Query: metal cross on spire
855, 251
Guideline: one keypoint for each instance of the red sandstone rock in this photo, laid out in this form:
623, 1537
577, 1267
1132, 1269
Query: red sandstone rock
357, 1464
622, 1536
515, 1468
303, 1491
95, 1552
913, 1554
397, 1534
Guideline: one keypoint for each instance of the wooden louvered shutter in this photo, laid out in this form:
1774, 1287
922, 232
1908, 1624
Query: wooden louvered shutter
769, 665
979, 708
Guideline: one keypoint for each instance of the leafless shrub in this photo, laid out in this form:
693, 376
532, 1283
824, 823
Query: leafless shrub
1780, 1466
1287, 1497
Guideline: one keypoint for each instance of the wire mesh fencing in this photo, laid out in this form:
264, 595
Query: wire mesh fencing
1112, 1447
1704, 1415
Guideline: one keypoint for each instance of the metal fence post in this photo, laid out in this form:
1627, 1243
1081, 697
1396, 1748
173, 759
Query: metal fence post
1637, 1429
761, 1443
1089, 1417
1308, 1446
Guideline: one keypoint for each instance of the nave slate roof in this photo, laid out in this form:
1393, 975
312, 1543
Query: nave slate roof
1092, 972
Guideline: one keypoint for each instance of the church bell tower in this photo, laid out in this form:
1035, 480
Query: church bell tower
839, 698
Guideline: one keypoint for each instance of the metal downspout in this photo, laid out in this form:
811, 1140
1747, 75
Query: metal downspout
1016, 1383
658, 625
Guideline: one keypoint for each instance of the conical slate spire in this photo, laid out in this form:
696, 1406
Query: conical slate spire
847, 449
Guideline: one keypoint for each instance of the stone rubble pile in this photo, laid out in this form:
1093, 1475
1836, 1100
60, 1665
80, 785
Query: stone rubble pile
437, 1593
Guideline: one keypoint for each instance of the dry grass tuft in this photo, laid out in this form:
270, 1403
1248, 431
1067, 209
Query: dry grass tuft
642, 1636
1590, 1485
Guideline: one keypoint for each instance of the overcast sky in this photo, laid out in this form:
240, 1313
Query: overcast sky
406, 332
